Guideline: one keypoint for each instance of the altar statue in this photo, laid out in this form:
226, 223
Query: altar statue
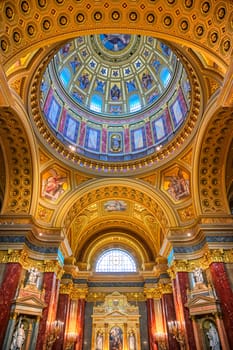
18, 338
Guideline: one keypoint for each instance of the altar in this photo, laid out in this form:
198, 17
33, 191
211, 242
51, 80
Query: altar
115, 324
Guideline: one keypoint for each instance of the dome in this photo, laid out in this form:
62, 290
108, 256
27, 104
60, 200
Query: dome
115, 97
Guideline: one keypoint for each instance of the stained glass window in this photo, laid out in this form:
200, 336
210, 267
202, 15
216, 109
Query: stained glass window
115, 260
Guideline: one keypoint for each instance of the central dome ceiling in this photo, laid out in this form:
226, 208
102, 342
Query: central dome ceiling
115, 97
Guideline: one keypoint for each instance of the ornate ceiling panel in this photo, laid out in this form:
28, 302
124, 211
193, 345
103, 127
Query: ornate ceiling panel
26, 23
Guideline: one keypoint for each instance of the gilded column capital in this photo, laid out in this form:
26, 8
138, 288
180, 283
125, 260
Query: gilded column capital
66, 288
165, 288
178, 266
216, 255
79, 293
228, 256
15, 256
153, 293
210, 256
53, 266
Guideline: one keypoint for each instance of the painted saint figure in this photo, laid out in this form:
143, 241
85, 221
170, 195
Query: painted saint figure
115, 93
116, 339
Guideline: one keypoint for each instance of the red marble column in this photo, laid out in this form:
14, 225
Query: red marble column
151, 323
50, 285
170, 315
80, 323
180, 285
8, 289
62, 315
224, 293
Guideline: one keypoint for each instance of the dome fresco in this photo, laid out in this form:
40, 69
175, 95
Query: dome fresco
115, 97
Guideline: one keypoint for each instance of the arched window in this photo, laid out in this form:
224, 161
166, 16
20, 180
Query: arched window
165, 76
115, 260
134, 103
96, 103
65, 76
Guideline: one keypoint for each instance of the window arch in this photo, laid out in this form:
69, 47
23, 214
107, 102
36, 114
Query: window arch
115, 260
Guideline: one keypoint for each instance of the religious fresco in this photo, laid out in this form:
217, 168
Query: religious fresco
176, 183
115, 205
115, 42
116, 142
55, 183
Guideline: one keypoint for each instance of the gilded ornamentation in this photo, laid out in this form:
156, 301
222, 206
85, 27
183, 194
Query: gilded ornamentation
16, 14
66, 288
20, 167
15, 256
165, 288
53, 266
44, 214
214, 85
186, 214
228, 256
158, 290
98, 165
211, 256
153, 293
211, 175
16, 85
79, 293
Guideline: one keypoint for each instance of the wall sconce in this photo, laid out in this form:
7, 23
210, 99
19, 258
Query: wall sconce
161, 339
70, 340
54, 331
175, 329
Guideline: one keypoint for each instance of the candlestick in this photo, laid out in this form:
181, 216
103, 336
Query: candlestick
161, 339
177, 332
54, 331
70, 339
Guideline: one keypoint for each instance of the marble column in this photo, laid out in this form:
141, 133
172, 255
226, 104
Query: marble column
63, 308
170, 315
80, 323
8, 290
151, 323
180, 285
49, 285
224, 293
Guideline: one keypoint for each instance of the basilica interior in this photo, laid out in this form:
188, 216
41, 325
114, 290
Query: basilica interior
116, 176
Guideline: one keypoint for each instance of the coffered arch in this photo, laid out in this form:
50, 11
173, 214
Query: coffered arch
31, 24
142, 228
18, 144
215, 136
116, 188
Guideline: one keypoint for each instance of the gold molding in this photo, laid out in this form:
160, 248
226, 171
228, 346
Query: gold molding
211, 256
158, 291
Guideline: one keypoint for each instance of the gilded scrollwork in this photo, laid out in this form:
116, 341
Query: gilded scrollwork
209, 257
53, 266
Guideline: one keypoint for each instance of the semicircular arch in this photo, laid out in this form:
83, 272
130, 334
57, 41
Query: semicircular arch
117, 188
190, 23
19, 146
215, 136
